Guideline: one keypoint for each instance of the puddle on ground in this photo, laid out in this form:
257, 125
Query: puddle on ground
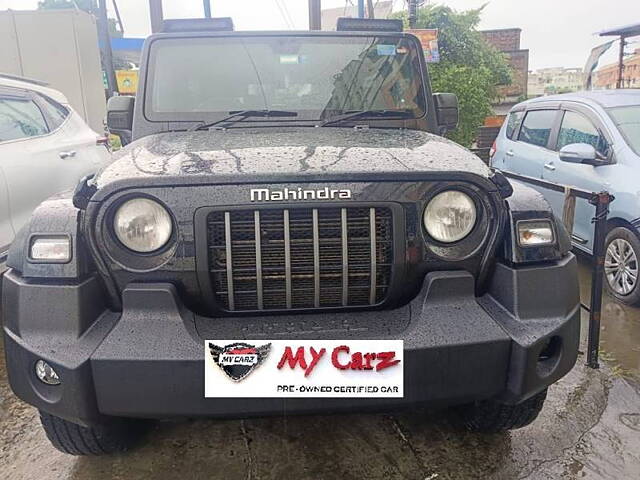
620, 328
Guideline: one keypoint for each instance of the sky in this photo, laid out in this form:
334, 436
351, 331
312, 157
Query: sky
558, 33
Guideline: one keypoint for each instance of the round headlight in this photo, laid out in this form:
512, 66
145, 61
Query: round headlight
450, 216
142, 225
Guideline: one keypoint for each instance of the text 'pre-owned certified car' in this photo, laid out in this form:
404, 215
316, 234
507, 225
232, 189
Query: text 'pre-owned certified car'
589, 140
286, 233
45, 148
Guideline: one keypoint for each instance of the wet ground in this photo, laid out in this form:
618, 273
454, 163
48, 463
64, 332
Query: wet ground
620, 332
589, 428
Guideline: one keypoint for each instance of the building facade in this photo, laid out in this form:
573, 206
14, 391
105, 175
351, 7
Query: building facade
549, 81
607, 76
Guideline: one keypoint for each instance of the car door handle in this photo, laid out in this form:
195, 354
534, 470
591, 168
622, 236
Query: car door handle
550, 166
68, 154
509, 153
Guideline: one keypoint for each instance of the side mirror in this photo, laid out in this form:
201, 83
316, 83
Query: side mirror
446, 111
120, 117
580, 153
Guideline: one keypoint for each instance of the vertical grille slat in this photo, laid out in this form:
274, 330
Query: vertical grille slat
258, 242
316, 259
344, 233
300, 257
374, 270
229, 260
287, 258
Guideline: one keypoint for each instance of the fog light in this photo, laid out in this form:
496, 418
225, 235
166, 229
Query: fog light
46, 373
54, 249
535, 233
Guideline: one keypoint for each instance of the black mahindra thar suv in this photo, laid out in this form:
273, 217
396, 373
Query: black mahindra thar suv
293, 186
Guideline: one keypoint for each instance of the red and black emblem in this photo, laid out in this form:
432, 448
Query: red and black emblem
238, 360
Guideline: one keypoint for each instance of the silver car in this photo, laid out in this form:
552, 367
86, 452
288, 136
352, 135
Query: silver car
589, 140
45, 148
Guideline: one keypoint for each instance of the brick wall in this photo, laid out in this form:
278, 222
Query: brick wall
507, 40
504, 39
519, 62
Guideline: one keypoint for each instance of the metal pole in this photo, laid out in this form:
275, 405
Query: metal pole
619, 83
107, 55
413, 13
207, 8
315, 15
155, 12
601, 201
115, 7
360, 8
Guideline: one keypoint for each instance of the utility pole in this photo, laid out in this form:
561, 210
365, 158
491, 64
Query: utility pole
155, 12
620, 82
315, 15
107, 55
360, 8
413, 13
207, 8
118, 17
370, 9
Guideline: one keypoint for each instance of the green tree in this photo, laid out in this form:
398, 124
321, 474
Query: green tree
468, 67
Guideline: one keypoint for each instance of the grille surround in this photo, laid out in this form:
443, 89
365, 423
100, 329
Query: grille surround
289, 270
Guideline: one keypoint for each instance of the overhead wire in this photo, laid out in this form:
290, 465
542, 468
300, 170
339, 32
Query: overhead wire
282, 14
286, 11
282, 4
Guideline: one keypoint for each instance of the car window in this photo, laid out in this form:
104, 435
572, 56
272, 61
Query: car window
576, 128
513, 122
627, 119
56, 113
20, 118
536, 127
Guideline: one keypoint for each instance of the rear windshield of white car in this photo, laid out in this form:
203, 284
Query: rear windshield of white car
627, 120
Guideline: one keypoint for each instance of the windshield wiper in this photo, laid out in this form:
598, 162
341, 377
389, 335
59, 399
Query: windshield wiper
243, 115
343, 117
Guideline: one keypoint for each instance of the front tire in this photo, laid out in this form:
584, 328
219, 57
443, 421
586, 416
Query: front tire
622, 252
75, 439
489, 416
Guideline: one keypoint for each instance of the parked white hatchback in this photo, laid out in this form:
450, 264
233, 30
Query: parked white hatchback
45, 148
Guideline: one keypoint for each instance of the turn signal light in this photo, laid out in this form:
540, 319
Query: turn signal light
535, 233
54, 249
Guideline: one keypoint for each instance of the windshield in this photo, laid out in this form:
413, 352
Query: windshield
315, 76
627, 120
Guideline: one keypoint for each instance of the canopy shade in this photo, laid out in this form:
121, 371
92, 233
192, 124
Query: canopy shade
626, 31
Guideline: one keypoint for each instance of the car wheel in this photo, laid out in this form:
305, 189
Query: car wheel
489, 416
75, 439
621, 265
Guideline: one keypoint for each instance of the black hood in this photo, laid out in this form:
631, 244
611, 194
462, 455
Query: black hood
264, 155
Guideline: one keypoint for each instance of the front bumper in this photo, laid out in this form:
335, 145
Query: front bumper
147, 361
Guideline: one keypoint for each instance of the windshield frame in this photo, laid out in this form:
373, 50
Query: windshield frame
189, 118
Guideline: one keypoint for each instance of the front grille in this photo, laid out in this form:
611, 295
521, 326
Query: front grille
300, 258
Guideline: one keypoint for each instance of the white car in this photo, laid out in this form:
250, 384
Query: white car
45, 148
